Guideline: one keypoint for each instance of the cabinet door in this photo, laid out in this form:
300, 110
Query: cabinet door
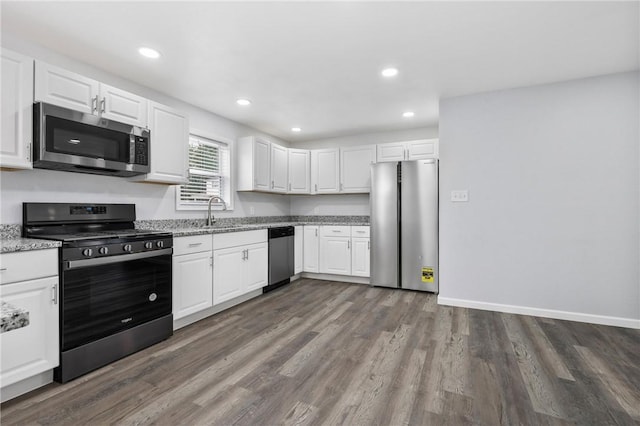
355, 168
60, 87
391, 152
17, 112
33, 349
360, 248
298, 246
335, 255
256, 266
125, 107
299, 171
228, 267
192, 283
169, 142
421, 149
311, 249
279, 169
261, 165
325, 171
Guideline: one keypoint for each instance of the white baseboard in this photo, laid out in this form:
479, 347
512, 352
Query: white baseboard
538, 312
26, 385
332, 277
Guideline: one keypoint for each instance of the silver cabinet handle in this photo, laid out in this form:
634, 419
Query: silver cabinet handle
341, 187
316, 232
272, 185
316, 187
289, 186
348, 245
247, 250
368, 245
54, 293
194, 244
94, 104
3, 269
103, 103
211, 261
335, 230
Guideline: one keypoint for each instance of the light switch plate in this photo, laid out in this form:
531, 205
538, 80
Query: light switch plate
460, 196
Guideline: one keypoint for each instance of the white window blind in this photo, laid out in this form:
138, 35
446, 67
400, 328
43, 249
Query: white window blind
208, 173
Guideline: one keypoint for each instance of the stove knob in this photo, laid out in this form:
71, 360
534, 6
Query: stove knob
103, 250
127, 247
87, 252
160, 244
148, 245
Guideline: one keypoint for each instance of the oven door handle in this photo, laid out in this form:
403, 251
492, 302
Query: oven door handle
73, 264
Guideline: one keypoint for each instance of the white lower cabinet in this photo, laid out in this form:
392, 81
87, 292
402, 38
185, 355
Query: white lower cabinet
192, 275
30, 282
360, 248
240, 264
335, 250
298, 247
311, 246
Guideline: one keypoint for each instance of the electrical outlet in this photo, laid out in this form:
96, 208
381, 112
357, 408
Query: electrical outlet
460, 196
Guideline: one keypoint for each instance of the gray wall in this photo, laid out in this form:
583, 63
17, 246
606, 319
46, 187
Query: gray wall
552, 221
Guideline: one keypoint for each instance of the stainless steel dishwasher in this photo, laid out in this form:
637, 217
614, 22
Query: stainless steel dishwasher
281, 252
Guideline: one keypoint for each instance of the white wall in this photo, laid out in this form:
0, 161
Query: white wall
152, 201
350, 204
552, 223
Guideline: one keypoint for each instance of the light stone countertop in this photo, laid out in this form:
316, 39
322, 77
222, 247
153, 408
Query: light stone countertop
12, 317
11, 244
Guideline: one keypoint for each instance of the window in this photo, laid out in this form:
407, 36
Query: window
209, 175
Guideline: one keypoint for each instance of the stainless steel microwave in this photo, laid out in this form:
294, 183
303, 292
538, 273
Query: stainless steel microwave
80, 142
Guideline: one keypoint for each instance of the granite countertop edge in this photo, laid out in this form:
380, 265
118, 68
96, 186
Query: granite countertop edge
16, 244
185, 232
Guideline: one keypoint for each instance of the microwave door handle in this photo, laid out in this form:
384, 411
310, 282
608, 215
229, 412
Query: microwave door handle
132, 149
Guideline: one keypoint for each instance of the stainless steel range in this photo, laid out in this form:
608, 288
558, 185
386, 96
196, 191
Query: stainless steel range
115, 282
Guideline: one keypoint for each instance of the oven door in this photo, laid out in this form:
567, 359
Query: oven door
100, 297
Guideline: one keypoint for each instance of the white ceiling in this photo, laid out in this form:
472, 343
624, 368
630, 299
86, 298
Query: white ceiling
317, 65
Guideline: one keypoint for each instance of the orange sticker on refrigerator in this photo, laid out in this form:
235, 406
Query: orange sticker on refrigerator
427, 275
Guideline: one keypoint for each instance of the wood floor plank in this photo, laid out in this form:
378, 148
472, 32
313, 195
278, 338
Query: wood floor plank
328, 353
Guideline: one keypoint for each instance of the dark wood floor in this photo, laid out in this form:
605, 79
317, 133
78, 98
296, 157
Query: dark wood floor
318, 352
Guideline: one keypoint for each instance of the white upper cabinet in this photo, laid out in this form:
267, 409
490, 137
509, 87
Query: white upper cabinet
17, 112
279, 169
169, 142
64, 88
299, 171
355, 168
67, 89
325, 171
254, 160
125, 107
409, 150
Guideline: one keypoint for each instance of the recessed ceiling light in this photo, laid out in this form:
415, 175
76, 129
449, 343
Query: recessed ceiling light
148, 52
408, 114
243, 102
389, 72
296, 129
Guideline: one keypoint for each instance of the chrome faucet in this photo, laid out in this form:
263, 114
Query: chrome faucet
210, 219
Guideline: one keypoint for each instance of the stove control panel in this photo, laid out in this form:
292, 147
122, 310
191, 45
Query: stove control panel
103, 248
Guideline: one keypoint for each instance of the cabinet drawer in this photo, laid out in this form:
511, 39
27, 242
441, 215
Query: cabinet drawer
360, 231
234, 239
27, 265
335, 231
192, 244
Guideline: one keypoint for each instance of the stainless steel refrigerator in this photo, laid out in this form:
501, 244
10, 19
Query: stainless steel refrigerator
404, 225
